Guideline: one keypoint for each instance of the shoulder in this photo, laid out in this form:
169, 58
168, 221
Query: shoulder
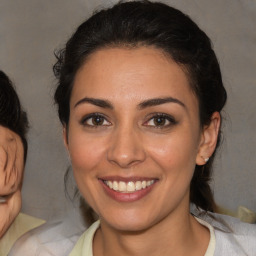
84, 244
52, 238
233, 237
22, 224
25, 222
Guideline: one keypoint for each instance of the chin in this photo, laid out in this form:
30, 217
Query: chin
5, 224
127, 222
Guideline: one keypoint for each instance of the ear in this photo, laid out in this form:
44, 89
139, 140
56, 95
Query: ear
209, 139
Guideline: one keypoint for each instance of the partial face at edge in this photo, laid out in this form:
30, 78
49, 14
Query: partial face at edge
11, 174
134, 136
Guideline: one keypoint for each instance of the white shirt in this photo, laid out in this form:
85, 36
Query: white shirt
84, 245
232, 237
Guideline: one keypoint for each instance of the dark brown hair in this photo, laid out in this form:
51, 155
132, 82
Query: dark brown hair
12, 115
145, 23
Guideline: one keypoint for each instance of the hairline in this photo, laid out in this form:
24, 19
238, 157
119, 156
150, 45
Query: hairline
132, 46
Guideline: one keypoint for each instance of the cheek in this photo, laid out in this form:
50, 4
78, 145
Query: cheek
87, 156
86, 153
15, 204
174, 152
9, 211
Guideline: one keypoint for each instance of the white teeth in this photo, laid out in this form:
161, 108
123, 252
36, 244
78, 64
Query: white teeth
138, 185
128, 187
122, 186
110, 184
115, 185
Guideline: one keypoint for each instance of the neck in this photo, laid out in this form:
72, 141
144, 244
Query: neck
174, 235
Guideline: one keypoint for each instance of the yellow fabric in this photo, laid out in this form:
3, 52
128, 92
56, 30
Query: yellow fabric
212, 243
242, 213
21, 225
83, 246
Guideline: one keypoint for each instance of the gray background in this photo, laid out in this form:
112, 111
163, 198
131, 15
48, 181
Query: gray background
30, 30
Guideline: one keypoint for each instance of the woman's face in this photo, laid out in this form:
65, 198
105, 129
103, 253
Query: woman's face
134, 136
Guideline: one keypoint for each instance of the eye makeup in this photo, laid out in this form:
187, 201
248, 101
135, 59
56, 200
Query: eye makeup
160, 121
94, 120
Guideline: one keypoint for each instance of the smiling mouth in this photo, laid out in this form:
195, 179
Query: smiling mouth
130, 186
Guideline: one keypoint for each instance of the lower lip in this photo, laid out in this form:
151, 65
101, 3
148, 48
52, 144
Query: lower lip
127, 197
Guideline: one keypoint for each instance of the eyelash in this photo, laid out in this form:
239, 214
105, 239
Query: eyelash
92, 116
165, 118
153, 118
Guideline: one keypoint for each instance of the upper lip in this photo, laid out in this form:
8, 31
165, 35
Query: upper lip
127, 179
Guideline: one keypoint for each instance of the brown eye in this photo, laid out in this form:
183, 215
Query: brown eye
159, 121
95, 120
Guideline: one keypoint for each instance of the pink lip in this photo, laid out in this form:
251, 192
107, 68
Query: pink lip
126, 197
126, 179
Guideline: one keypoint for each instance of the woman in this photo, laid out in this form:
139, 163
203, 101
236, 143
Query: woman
13, 151
139, 96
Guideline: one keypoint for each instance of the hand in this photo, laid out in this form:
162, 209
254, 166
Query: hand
11, 173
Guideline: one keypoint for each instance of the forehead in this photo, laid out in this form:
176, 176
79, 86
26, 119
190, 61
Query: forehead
125, 73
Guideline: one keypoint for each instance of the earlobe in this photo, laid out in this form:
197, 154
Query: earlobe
209, 139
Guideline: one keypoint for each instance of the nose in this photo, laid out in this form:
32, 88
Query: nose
126, 148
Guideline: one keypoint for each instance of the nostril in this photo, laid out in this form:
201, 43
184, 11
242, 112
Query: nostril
126, 149
126, 160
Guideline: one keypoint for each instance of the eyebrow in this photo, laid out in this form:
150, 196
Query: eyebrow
96, 102
159, 101
145, 104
